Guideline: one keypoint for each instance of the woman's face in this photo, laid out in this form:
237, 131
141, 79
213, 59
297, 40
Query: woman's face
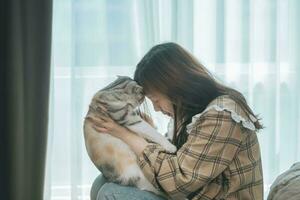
161, 103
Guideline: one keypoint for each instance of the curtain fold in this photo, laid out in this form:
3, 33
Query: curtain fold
25, 76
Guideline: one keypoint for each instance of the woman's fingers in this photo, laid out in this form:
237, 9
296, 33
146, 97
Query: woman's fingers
100, 129
98, 124
105, 123
99, 118
98, 121
106, 119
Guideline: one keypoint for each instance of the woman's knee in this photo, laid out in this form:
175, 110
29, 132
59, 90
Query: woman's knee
107, 191
97, 184
113, 191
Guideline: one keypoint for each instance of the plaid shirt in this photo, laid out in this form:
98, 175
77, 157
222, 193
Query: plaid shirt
220, 159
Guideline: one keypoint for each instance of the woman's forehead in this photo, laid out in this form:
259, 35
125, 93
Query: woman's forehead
151, 93
148, 93
155, 95
150, 90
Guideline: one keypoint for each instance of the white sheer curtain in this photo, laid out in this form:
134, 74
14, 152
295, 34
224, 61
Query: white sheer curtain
253, 46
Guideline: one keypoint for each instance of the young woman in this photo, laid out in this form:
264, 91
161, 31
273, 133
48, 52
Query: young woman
218, 153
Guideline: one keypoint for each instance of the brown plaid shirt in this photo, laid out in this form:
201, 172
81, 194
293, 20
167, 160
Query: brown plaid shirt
220, 159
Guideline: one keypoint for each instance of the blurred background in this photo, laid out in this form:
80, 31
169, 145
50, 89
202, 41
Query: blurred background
250, 45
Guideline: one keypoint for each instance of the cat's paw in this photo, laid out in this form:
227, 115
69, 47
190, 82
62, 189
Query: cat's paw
169, 147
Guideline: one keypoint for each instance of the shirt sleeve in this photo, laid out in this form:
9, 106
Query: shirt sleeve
211, 146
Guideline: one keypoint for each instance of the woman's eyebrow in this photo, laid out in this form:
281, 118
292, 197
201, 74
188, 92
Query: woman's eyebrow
150, 96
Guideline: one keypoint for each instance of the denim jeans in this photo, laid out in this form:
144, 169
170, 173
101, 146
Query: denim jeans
103, 190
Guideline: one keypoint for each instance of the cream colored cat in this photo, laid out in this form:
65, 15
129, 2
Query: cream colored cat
113, 157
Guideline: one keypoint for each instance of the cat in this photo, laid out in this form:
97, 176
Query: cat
113, 157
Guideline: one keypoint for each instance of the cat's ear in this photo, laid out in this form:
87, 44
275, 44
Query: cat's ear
120, 76
139, 88
123, 77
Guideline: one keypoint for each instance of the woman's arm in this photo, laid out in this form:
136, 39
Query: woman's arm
137, 143
107, 125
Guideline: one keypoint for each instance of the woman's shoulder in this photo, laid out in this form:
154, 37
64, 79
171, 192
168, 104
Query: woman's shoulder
227, 103
231, 108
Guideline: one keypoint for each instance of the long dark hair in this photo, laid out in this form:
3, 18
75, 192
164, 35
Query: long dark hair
171, 70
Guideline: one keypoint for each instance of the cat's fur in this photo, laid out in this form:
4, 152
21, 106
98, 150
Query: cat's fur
113, 157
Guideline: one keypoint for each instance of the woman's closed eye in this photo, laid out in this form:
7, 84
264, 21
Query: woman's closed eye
153, 99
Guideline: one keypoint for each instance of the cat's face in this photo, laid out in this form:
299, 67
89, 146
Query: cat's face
122, 92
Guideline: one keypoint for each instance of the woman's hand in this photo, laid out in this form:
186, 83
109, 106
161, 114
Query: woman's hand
107, 125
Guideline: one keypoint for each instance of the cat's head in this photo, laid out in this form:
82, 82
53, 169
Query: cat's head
121, 97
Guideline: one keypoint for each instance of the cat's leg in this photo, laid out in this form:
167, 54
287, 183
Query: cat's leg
132, 175
144, 130
111, 156
144, 184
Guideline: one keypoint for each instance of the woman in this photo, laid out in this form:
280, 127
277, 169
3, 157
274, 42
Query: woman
218, 153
